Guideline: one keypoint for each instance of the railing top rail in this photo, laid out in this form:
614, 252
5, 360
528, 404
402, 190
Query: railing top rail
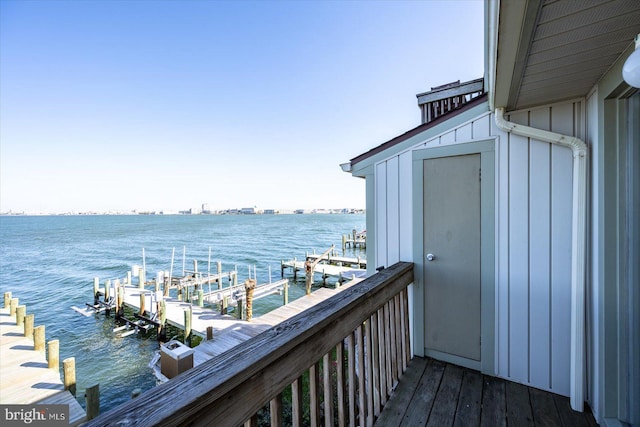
234, 385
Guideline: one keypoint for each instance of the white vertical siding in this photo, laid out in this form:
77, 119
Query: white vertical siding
533, 238
381, 215
405, 207
518, 262
540, 265
593, 337
393, 212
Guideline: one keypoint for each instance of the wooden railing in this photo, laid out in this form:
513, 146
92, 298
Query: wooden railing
346, 353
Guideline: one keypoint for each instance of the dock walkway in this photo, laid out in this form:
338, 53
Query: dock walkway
25, 377
237, 332
202, 317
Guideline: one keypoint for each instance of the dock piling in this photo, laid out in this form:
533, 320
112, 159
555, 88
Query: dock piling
209, 333
142, 298
240, 308
285, 293
249, 287
53, 354
107, 285
38, 338
21, 311
7, 299
12, 306
92, 395
187, 326
96, 289
69, 372
28, 325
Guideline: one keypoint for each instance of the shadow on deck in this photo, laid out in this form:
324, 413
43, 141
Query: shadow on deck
435, 393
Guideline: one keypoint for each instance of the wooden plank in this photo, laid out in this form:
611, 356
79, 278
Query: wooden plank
362, 409
327, 394
404, 326
375, 360
340, 385
275, 411
543, 408
444, 407
400, 400
470, 400
568, 416
518, 406
494, 407
368, 369
314, 394
296, 403
425, 395
351, 368
383, 359
399, 333
387, 349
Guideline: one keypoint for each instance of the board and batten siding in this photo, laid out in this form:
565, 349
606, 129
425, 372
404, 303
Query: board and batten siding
533, 237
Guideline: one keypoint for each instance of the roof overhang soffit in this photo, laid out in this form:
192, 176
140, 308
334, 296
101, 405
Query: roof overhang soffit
510, 28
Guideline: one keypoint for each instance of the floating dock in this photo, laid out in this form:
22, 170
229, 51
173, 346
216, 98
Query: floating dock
25, 373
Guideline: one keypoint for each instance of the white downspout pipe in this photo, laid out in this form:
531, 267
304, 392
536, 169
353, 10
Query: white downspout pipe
578, 251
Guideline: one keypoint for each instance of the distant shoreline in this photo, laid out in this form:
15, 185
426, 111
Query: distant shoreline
217, 213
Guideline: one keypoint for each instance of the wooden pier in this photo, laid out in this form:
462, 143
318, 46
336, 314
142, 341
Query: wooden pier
234, 331
202, 318
355, 239
25, 375
327, 265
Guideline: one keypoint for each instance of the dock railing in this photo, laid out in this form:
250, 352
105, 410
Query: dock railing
345, 353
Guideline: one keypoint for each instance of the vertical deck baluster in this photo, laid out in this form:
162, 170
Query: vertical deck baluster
392, 349
387, 349
314, 394
275, 411
368, 364
375, 346
327, 390
383, 357
340, 386
399, 334
351, 365
296, 402
407, 336
361, 377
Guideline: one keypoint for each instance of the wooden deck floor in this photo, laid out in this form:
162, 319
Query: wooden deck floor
25, 377
434, 393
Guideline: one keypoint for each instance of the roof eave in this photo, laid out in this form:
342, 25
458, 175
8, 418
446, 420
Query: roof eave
416, 131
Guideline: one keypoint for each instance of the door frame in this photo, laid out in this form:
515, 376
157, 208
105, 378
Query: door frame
486, 149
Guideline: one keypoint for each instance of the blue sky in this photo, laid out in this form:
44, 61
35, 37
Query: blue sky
165, 105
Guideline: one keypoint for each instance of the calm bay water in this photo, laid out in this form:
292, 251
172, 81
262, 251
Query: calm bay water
49, 263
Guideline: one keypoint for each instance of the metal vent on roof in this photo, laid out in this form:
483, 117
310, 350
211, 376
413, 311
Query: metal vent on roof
442, 99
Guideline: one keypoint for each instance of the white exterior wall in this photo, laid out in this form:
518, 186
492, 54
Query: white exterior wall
533, 238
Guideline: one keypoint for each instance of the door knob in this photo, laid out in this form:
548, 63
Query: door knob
431, 257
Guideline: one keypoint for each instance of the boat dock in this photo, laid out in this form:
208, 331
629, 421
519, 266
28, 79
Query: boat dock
237, 331
355, 239
27, 376
328, 265
202, 317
